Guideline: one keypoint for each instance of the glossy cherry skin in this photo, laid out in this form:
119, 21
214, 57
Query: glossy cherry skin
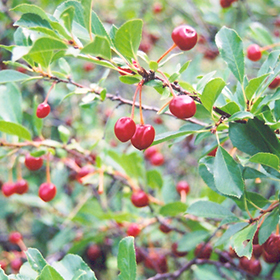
21, 186
43, 110
252, 266
182, 107
143, 137
272, 245
179, 254
270, 258
8, 189
157, 159
93, 252
183, 186
185, 37
133, 230
254, 52
47, 191
124, 129
33, 163
275, 83
15, 237
204, 253
140, 199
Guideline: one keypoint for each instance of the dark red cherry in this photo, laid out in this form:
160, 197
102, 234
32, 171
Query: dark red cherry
143, 137
204, 253
15, 237
21, 186
270, 258
174, 248
124, 129
275, 83
183, 186
254, 52
93, 252
47, 191
182, 107
225, 3
140, 255
272, 245
185, 37
157, 159
8, 189
156, 262
252, 266
257, 250
150, 152
139, 199
133, 230
33, 163
43, 110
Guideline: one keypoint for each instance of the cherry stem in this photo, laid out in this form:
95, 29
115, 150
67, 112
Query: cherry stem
19, 173
101, 182
167, 52
277, 229
10, 175
134, 100
168, 83
163, 106
48, 175
22, 245
155, 200
47, 97
140, 103
270, 46
183, 196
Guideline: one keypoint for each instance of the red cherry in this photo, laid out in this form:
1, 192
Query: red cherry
3, 264
88, 67
84, 171
157, 8
47, 191
8, 189
158, 120
21, 69
183, 186
204, 253
272, 245
140, 255
225, 3
270, 258
177, 253
252, 266
150, 152
182, 107
275, 83
156, 262
254, 52
16, 264
43, 110
93, 252
21, 186
256, 237
185, 37
124, 129
133, 230
157, 159
15, 237
164, 228
143, 137
257, 250
33, 163
213, 152
140, 199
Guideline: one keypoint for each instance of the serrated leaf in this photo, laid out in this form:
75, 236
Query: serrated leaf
127, 259
173, 209
8, 76
253, 85
128, 38
87, 7
100, 46
211, 92
227, 174
231, 49
266, 159
15, 129
35, 259
32, 20
67, 16
27, 8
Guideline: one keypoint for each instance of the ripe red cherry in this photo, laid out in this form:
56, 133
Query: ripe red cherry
124, 129
133, 230
21, 186
88, 67
93, 252
157, 159
204, 253
272, 245
143, 137
156, 262
43, 110
8, 189
140, 199
270, 258
257, 250
182, 107
185, 37
15, 237
225, 3
84, 171
252, 266
164, 228
157, 8
47, 191
140, 255
3, 265
174, 248
150, 152
16, 264
33, 163
254, 52
275, 83
183, 186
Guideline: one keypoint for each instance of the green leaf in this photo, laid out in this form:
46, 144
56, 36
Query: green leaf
27, 8
3, 276
97, 27
209, 209
268, 226
227, 174
154, 179
190, 240
173, 209
254, 137
64, 133
8, 76
257, 199
87, 7
241, 116
36, 260
211, 92
100, 46
242, 241
270, 63
15, 129
260, 33
49, 273
128, 79
231, 49
253, 85
128, 38
153, 65
184, 67
127, 259
266, 159
32, 20
230, 108
67, 16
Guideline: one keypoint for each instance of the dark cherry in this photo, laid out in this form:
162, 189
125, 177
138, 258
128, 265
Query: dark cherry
183, 186
15, 237
21, 186
182, 107
225, 3
275, 83
254, 52
150, 152
93, 252
47, 191
270, 258
174, 249
204, 253
185, 37
257, 250
43, 110
157, 159
133, 230
232, 253
252, 266
140, 255
88, 67
143, 137
140, 199
225, 257
272, 245
8, 189
165, 228
124, 129
33, 163
256, 237
156, 262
